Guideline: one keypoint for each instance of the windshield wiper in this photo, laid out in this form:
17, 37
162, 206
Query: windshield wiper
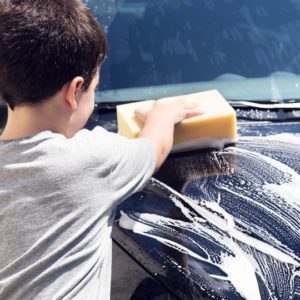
245, 110
265, 106
272, 112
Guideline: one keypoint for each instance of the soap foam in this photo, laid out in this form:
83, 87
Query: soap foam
202, 143
244, 248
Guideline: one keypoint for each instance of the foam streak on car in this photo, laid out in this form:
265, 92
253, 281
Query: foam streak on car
220, 224
243, 229
213, 224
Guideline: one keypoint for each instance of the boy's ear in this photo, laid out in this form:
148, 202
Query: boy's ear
73, 90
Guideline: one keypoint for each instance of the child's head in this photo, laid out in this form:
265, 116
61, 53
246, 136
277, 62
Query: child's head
43, 45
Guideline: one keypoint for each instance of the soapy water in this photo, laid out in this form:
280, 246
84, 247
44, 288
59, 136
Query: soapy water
240, 232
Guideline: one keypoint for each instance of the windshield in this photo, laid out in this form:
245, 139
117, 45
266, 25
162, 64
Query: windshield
248, 50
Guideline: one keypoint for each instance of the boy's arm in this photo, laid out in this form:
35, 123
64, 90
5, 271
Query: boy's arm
159, 125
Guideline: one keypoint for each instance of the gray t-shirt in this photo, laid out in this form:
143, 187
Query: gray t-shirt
57, 198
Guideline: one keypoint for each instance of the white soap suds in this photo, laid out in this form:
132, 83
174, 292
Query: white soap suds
203, 143
285, 138
240, 239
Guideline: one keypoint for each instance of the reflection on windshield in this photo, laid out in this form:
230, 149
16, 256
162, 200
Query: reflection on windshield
167, 42
277, 87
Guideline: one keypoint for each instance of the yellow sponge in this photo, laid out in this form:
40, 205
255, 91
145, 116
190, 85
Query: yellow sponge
213, 129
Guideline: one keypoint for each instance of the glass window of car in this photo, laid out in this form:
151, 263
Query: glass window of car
249, 50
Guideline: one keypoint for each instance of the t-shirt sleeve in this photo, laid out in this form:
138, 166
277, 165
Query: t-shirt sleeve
127, 164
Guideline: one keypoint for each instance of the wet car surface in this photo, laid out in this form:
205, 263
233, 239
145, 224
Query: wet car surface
219, 224
211, 224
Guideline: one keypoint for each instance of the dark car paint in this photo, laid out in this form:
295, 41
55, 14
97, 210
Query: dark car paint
161, 271
198, 175
130, 280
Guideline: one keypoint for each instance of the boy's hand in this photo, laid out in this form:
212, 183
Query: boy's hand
159, 124
181, 109
177, 110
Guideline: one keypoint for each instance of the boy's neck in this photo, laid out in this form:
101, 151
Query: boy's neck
26, 121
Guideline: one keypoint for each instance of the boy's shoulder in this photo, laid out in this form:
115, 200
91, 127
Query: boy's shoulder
90, 149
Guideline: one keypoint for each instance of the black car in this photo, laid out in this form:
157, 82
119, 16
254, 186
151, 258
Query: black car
213, 223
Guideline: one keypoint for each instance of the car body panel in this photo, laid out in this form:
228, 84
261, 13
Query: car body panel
221, 224
211, 224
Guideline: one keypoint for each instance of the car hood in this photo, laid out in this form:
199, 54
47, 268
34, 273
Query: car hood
221, 224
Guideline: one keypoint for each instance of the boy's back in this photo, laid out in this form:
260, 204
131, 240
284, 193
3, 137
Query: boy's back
59, 183
57, 197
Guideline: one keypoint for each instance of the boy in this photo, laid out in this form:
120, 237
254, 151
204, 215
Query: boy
59, 183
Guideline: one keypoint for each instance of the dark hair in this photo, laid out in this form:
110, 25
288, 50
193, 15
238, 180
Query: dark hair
43, 45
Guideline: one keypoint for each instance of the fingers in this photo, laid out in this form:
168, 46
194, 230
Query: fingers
190, 105
180, 107
188, 113
192, 109
141, 113
194, 112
